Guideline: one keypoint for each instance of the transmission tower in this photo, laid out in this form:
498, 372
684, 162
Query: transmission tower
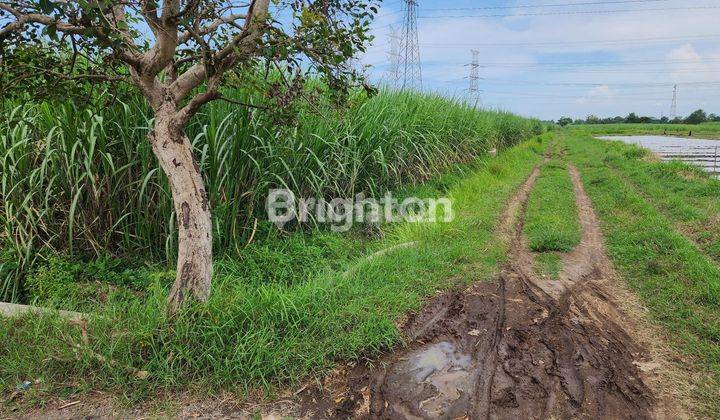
409, 48
673, 106
392, 75
474, 79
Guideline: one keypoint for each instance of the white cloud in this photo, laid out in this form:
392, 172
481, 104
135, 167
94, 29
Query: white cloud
685, 53
557, 90
598, 93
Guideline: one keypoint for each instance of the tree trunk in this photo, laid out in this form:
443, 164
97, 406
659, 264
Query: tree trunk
194, 262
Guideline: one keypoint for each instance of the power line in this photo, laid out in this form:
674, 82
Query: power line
617, 68
535, 6
618, 42
584, 96
592, 63
597, 63
562, 43
623, 71
523, 6
618, 84
614, 93
581, 100
574, 12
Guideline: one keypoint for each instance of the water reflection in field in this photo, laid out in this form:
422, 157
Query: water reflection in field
701, 152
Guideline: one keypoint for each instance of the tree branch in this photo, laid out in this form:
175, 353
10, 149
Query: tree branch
117, 14
233, 18
148, 9
211, 93
243, 44
162, 52
22, 19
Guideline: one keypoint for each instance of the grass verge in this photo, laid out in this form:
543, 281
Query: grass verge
682, 192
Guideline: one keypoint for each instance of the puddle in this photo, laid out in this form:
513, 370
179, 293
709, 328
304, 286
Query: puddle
445, 376
700, 152
435, 358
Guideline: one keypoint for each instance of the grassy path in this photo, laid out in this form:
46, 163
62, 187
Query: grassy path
520, 345
678, 283
551, 223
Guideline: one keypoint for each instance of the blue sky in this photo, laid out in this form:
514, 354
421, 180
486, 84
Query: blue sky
551, 61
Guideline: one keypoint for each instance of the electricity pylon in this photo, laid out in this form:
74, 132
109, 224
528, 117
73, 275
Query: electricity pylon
474, 79
410, 48
673, 106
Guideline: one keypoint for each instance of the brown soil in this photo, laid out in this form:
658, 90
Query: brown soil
519, 347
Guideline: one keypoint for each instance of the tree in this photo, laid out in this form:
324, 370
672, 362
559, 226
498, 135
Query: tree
592, 119
632, 118
178, 54
565, 121
697, 117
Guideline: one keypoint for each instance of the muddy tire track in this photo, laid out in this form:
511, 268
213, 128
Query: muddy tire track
518, 347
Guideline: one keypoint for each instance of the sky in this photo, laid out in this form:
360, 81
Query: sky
553, 58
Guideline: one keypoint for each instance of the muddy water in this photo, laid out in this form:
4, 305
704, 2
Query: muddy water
700, 152
447, 373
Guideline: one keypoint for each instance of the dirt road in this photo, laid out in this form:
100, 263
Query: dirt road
519, 347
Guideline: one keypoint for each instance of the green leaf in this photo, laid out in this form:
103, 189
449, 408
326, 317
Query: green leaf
51, 31
46, 6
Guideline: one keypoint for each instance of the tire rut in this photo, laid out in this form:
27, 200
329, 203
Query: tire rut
518, 347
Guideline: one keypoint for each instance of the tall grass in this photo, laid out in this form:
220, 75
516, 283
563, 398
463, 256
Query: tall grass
85, 181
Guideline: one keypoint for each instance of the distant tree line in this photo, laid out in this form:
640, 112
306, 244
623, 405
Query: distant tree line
697, 117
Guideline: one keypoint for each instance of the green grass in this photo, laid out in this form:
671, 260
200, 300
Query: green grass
85, 181
677, 282
682, 192
551, 223
548, 264
705, 130
256, 334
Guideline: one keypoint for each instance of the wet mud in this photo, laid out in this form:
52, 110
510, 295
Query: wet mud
517, 347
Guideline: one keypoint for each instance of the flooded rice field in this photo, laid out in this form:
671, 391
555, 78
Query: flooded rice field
700, 152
